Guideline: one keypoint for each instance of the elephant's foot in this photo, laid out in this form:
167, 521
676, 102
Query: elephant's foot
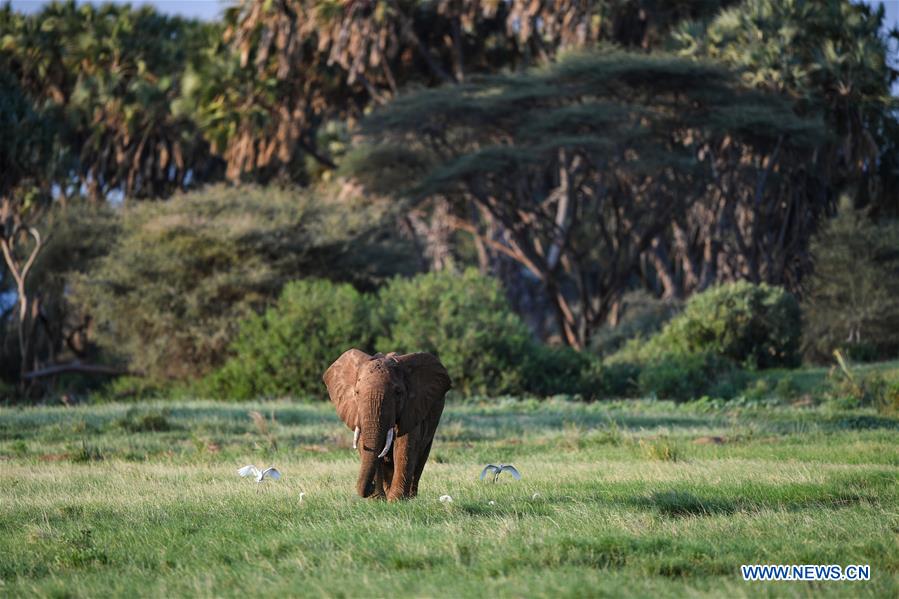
398, 496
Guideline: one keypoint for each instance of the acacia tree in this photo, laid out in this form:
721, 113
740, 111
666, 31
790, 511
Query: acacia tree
576, 170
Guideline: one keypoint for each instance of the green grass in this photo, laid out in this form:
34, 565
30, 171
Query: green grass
812, 380
626, 498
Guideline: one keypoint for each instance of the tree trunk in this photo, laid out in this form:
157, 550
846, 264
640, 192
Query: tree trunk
664, 270
20, 275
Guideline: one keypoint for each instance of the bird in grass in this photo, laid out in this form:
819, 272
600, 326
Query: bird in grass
498, 469
260, 475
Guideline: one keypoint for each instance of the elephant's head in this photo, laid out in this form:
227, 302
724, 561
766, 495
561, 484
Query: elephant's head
382, 397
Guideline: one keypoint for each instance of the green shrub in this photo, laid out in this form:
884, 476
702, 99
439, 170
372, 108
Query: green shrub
863, 390
284, 351
463, 319
133, 388
852, 301
682, 377
560, 370
619, 379
787, 389
728, 381
760, 389
849, 389
700, 351
755, 326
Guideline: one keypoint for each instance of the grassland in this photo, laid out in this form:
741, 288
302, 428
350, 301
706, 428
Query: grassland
634, 499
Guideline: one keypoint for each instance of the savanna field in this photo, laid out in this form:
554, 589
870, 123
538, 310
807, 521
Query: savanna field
638, 498
647, 252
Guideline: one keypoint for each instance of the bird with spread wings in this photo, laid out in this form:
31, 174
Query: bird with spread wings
260, 475
498, 469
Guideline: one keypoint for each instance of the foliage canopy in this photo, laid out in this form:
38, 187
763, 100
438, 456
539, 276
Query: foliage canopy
577, 169
183, 273
853, 294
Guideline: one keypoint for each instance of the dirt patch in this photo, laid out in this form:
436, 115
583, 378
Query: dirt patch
710, 441
54, 457
805, 401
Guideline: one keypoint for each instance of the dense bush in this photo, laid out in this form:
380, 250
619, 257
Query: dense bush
688, 376
560, 370
701, 350
465, 320
754, 326
284, 351
618, 379
168, 296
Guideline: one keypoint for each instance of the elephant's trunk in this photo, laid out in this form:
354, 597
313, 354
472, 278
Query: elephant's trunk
375, 434
369, 475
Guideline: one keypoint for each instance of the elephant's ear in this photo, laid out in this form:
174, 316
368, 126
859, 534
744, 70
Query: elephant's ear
340, 379
426, 384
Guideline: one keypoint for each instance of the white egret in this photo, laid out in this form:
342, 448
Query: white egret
260, 475
498, 469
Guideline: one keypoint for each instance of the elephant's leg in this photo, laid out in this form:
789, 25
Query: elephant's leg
422, 459
405, 458
428, 430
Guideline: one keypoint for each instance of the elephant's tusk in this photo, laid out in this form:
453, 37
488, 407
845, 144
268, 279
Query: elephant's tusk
389, 443
356, 436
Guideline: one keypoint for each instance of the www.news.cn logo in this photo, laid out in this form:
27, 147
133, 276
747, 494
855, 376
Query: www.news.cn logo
806, 572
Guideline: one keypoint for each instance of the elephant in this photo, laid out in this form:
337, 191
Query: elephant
393, 403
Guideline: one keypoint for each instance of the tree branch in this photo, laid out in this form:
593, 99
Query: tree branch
76, 366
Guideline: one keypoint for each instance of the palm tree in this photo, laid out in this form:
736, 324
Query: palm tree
117, 92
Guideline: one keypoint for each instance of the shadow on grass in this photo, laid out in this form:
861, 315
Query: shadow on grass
682, 503
678, 503
862, 422
502, 425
